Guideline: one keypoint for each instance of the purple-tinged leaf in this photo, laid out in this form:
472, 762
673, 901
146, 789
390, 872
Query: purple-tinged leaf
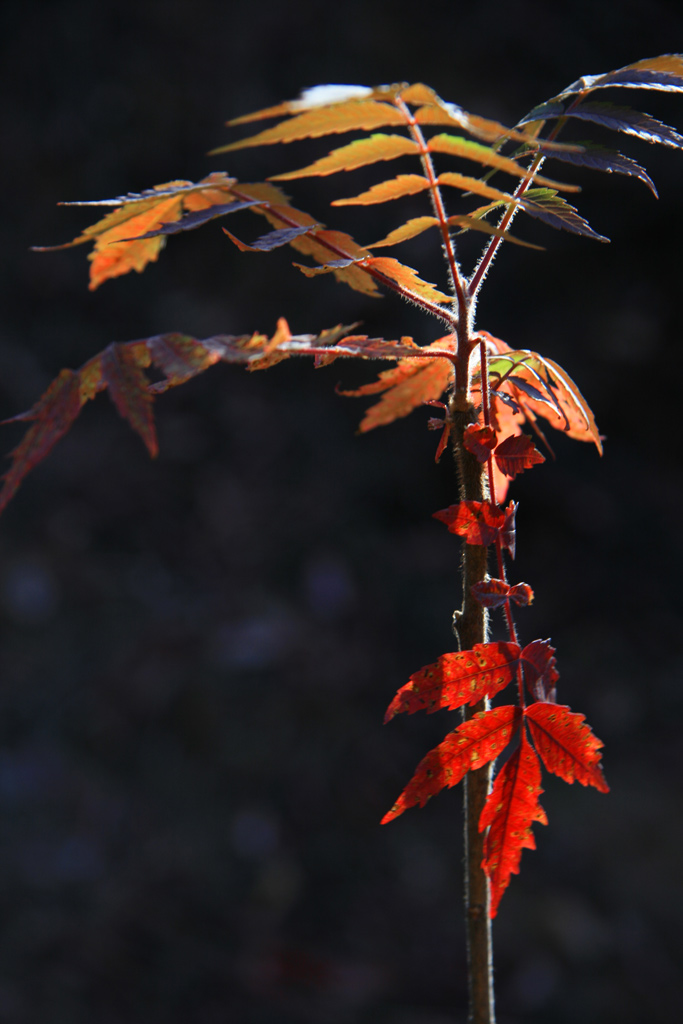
528, 389
596, 158
274, 239
196, 219
664, 73
558, 213
620, 119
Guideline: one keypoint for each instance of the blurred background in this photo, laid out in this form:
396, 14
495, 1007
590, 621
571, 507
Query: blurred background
196, 653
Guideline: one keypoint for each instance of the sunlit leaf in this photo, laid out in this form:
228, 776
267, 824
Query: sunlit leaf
453, 145
410, 229
473, 744
567, 745
511, 809
357, 154
354, 115
517, 453
457, 679
479, 522
402, 185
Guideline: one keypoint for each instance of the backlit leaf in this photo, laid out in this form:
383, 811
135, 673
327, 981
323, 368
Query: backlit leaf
408, 385
479, 522
567, 745
357, 154
457, 679
354, 115
510, 810
517, 453
402, 185
453, 145
493, 593
410, 229
480, 440
473, 744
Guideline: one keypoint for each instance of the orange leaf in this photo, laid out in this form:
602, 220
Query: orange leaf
407, 278
473, 744
402, 185
410, 229
112, 257
457, 679
409, 385
510, 810
567, 746
354, 115
456, 146
356, 154
479, 522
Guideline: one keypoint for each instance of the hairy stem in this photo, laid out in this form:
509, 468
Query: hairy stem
471, 625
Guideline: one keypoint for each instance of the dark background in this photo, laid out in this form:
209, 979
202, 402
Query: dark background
196, 653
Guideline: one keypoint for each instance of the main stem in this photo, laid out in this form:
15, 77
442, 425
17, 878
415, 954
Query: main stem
471, 625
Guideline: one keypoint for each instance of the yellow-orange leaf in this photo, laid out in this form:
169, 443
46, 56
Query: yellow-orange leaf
356, 154
402, 185
407, 278
453, 145
354, 115
117, 252
476, 224
410, 229
468, 184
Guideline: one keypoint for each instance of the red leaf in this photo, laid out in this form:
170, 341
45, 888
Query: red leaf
521, 594
457, 679
480, 440
121, 369
53, 414
539, 668
567, 746
473, 744
510, 810
493, 593
479, 522
517, 453
508, 536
